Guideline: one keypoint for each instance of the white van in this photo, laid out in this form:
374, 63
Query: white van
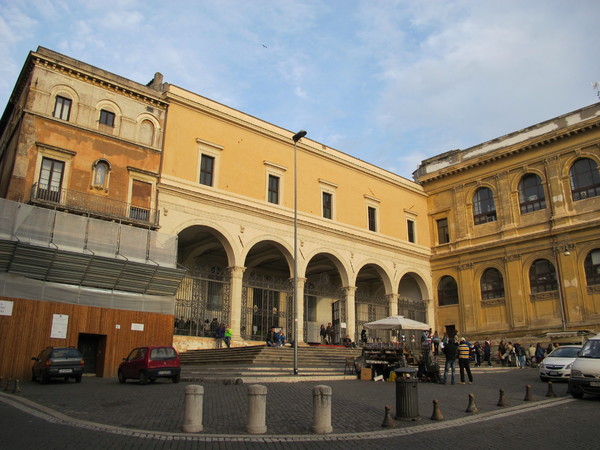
585, 372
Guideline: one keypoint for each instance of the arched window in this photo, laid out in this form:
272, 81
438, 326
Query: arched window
447, 291
542, 276
147, 132
592, 267
585, 180
100, 174
492, 284
484, 209
531, 193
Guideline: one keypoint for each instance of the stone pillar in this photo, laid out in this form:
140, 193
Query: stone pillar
351, 313
192, 414
236, 276
257, 409
322, 410
300, 316
393, 311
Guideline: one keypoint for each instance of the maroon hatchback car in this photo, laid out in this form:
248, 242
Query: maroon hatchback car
146, 364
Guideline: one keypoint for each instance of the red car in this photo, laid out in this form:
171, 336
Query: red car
146, 364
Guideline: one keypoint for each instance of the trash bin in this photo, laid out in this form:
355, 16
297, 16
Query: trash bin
407, 399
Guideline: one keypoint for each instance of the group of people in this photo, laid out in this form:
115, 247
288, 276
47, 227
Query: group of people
221, 333
327, 334
460, 350
276, 338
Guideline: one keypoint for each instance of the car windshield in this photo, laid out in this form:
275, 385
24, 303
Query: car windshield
162, 353
565, 352
591, 349
65, 353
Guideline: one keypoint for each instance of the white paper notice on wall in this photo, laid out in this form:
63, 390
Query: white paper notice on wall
60, 323
6, 308
137, 326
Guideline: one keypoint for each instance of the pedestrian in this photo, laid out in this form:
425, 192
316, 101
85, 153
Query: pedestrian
487, 352
436, 343
464, 350
539, 353
330, 333
227, 337
521, 355
280, 338
323, 334
502, 352
272, 338
363, 337
450, 350
220, 335
478, 353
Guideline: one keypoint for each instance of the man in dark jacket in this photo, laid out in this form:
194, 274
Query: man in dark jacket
450, 350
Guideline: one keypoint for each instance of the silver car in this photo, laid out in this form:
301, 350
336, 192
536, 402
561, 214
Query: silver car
557, 365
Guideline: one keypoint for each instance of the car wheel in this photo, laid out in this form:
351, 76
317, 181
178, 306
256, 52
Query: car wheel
77, 378
152, 380
44, 379
578, 395
143, 378
176, 378
121, 377
33, 377
544, 378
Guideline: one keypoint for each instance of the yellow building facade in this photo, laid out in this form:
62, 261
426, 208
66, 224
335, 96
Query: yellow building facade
227, 192
514, 223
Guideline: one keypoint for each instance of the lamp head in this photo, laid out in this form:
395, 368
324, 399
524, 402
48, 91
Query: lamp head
299, 135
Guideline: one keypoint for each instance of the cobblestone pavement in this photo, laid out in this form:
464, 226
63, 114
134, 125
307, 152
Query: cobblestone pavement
135, 413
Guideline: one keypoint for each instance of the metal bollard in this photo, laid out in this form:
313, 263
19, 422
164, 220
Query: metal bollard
322, 410
257, 409
192, 415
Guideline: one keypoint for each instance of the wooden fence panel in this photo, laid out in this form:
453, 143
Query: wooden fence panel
27, 331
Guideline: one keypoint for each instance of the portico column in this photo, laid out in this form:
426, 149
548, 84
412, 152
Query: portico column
236, 277
300, 316
393, 310
350, 292
393, 304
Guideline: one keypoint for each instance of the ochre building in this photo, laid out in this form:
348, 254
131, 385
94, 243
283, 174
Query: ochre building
514, 230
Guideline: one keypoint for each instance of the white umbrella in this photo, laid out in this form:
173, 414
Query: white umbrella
396, 322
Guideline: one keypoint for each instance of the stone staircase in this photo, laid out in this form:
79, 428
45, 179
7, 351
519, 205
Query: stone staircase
256, 364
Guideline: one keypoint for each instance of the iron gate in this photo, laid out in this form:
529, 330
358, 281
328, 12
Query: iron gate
266, 302
203, 296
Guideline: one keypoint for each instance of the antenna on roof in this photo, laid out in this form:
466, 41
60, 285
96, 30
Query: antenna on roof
596, 87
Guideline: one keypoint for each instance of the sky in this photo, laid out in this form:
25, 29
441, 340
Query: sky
391, 82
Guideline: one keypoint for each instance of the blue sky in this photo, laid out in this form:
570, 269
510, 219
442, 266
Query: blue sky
391, 82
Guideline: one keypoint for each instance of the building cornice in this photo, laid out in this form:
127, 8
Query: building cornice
500, 151
66, 66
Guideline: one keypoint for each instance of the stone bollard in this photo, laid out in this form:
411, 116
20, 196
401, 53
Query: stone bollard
550, 392
17, 387
7, 385
528, 394
437, 413
192, 415
322, 410
472, 408
257, 409
388, 421
502, 400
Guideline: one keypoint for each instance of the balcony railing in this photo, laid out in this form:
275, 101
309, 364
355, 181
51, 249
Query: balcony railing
94, 206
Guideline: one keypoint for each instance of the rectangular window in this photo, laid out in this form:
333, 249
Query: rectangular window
443, 233
107, 118
62, 108
273, 193
50, 181
327, 205
410, 228
207, 170
141, 194
372, 212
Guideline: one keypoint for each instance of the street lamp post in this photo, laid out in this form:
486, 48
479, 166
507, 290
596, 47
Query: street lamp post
299, 135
